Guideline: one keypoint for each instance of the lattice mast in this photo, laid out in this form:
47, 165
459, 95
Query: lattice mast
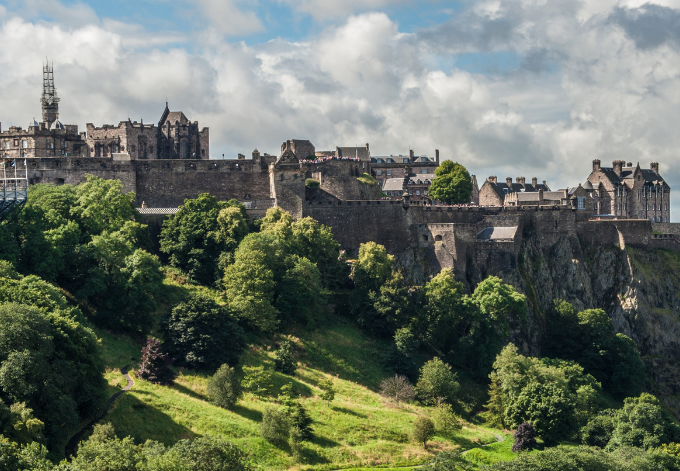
49, 100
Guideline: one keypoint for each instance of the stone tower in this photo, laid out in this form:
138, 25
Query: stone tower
49, 99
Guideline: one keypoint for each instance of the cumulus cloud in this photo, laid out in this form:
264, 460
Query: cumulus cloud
592, 80
327, 9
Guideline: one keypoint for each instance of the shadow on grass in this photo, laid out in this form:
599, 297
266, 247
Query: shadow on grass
279, 379
324, 442
345, 410
310, 456
189, 392
142, 421
250, 414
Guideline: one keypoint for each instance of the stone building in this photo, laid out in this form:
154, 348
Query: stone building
48, 138
495, 193
175, 137
630, 192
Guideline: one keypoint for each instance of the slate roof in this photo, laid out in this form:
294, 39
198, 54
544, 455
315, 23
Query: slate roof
497, 233
393, 184
175, 116
649, 176
361, 152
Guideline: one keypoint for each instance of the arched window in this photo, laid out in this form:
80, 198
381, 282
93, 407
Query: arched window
437, 238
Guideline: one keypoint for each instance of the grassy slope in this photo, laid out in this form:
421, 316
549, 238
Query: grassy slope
358, 429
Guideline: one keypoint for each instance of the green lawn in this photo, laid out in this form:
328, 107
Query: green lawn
358, 429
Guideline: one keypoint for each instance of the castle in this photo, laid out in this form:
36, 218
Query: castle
167, 163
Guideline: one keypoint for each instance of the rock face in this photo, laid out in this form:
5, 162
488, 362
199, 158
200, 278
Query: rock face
638, 287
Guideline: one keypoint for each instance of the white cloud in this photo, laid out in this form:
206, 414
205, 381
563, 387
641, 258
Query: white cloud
607, 87
227, 18
327, 9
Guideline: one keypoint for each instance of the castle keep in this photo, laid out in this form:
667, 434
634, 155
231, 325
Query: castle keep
168, 162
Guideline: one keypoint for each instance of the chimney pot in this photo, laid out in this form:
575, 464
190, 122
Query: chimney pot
534, 181
493, 179
596, 165
654, 166
618, 166
436, 155
411, 153
508, 181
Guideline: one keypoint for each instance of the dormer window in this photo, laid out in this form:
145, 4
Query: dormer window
406, 160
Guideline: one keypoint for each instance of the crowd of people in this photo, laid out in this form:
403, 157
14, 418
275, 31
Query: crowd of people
319, 160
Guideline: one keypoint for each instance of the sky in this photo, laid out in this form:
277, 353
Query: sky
531, 88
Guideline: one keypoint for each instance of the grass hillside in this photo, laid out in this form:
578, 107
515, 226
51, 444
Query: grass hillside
358, 430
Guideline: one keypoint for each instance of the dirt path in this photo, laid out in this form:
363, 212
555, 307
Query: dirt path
72, 444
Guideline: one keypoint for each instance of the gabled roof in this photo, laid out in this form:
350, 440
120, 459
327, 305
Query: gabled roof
496, 233
393, 184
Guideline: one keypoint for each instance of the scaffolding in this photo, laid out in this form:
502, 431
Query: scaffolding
13, 186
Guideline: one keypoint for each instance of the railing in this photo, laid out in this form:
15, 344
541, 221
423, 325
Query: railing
14, 185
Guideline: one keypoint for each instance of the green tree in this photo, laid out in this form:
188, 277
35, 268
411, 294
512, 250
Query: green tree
371, 270
398, 388
284, 358
446, 311
437, 381
208, 454
202, 334
327, 390
598, 430
392, 307
423, 430
301, 296
275, 426
101, 205
445, 421
452, 184
199, 232
257, 381
315, 242
643, 423
224, 388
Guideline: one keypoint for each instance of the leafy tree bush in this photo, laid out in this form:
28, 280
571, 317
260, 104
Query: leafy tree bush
525, 438
555, 396
588, 338
445, 309
38, 346
452, 183
30, 457
224, 388
300, 293
257, 381
18, 423
327, 390
446, 422
423, 430
391, 307
208, 454
436, 381
448, 461
295, 443
643, 423
311, 183
275, 426
155, 365
199, 232
371, 270
397, 388
598, 431
284, 358
202, 334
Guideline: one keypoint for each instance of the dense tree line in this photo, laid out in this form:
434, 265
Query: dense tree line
84, 239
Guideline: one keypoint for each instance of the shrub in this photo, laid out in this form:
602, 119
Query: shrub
275, 426
399, 388
525, 438
284, 358
155, 365
423, 430
224, 387
598, 431
202, 334
300, 420
436, 381
257, 380
311, 183
295, 444
446, 422
328, 390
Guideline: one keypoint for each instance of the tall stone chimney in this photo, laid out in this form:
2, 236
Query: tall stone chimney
256, 154
436, 156
596, 165
534, 181
654, 166
493, 179
618, 166
540, 194
411, 153
521, 180
508, 181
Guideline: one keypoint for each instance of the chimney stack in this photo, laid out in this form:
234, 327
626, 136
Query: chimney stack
655, 166
493, 179
411, 153
596, 165
256, 154
367, 148
618, 166
540, 194
534, 182
508, 181
436, 156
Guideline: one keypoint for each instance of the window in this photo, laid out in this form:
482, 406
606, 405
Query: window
389, 172
24, 144
115, 148
418, 192
423, 170
378, 172
666, 206
665, 219
647, 206
379, 161
202, 152
134, 148
618, 206
389, 161
50, 144
391, 193
406, 160
65, 144
6, 144
581, 200
659, 207
625, 206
